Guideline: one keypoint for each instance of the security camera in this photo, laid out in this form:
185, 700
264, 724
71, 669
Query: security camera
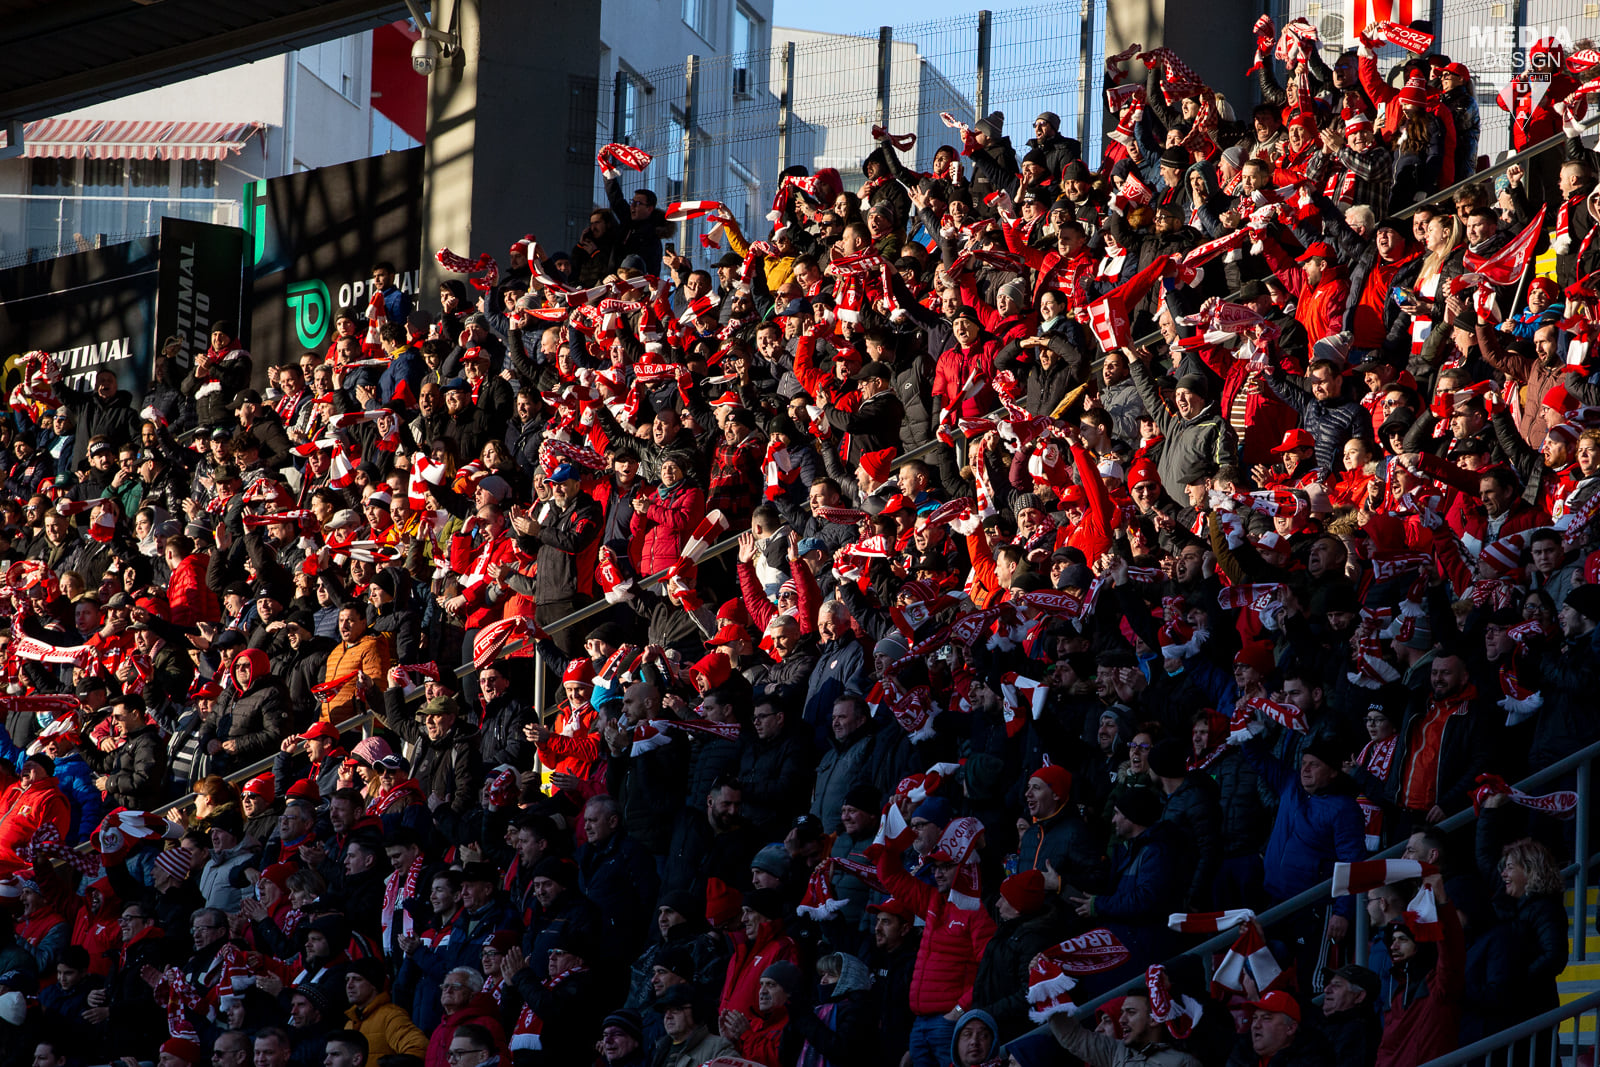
424, 56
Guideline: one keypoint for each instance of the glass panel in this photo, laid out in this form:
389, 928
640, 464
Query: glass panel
49, 222
103, 177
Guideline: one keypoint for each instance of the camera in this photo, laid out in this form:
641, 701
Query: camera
424, 56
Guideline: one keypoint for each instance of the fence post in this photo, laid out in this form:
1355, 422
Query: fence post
691, 97
1085, 50
885, 65
1580, 896
1361, 929
981, 96
785, 105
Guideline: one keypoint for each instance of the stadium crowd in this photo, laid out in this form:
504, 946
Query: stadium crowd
1145, 639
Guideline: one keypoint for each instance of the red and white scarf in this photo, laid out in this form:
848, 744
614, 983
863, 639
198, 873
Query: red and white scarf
395, 889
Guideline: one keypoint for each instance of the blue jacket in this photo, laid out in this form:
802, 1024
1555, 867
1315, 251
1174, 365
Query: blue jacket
396, 304
76, 782
406, 367
620, 877
1147, 886
1311, 833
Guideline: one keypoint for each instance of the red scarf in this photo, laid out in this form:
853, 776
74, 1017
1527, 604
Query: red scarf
526, 1033
380, 803
396, 888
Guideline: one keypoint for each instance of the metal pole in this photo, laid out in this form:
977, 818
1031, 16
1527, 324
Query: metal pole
785, 105
885, 64
1580, 896
61, 218
1085, 50
980, 100
1362, 932
691, 94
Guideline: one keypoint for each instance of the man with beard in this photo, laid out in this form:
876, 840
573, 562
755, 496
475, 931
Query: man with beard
713, 842
1144, 1040
1540, 372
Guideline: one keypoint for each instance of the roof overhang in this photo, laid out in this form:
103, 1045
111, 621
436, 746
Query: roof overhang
66, 54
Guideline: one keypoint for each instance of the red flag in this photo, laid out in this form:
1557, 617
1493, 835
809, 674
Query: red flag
1108, 316
1505, 267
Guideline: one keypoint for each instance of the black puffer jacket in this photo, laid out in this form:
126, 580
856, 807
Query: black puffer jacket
1539, 922
785, 682
500, 738
253, 713
1001, 988
449, 766
776, 777
1194, 810
136, 770
1246, 817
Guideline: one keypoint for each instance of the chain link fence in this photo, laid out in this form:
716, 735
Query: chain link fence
723, 128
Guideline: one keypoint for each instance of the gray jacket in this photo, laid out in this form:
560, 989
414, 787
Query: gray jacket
1191, 449
843, 767
1097, 1050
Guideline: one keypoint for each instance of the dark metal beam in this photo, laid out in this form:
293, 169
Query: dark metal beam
164, 66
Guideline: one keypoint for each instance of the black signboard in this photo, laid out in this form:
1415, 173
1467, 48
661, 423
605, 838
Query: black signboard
202, 281
314, 238
93, 310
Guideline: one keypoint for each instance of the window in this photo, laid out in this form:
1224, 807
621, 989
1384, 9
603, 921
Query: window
625, 113
337, 64
697, 13
744, 41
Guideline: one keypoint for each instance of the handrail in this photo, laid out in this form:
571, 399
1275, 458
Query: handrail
1323, 890
1509, 1036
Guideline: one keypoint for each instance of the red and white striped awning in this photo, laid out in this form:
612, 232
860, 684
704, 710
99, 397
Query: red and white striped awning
123, 139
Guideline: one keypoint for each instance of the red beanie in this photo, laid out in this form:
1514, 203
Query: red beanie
1024, 891
878, 465
579, 670
1256, 654
183, 1049
1059, 779
723, 903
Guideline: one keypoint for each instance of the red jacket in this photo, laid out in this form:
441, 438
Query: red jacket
481, 1009
190, 600
23, 810
950, 375
1424, 1018
953, 939
760, 1042
743, 983
1267, 418
661, 532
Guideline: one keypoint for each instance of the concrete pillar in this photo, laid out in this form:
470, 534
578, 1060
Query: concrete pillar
511, 126
1213, 38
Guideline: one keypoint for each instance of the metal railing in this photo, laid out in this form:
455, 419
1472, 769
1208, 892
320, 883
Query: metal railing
1531, 1031
84, 222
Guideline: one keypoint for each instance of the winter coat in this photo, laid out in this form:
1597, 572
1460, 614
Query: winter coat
839, 1029
500, 737
1098, 1050
750, 959
1311, 833
775, 774
872, 427
387, 1028
1330, 422
1001, 987
1569, 719
1538, 921
619, 875
843, 767
841, 668
953, 938
1423, 1020
702, 1046
449, 766
253, 713
1147, 884
481, 1009
669, 518
1190, 448
786, 683
137, 770
1064, 841
94, 415
565, 548
1194, 810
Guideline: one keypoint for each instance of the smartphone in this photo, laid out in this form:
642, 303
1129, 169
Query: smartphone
671, 248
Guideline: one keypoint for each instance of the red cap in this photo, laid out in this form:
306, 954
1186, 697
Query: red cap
304, 789
321, 731
1257, 655
897, 503
1317, 249
1024, 891
878, 465
900, 908
1458, 69
1294, 439
262, 786
183, 1049
1073, 495
579, 670
278, 874
1059, 779
727, 635
1280, 1002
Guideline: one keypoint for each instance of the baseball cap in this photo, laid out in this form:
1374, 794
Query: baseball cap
1280, 1002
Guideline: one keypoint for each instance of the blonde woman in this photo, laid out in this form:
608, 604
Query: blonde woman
1441, 234
1529, 899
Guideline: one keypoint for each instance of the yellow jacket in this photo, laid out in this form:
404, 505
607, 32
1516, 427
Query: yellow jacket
387, 1028
779, 270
